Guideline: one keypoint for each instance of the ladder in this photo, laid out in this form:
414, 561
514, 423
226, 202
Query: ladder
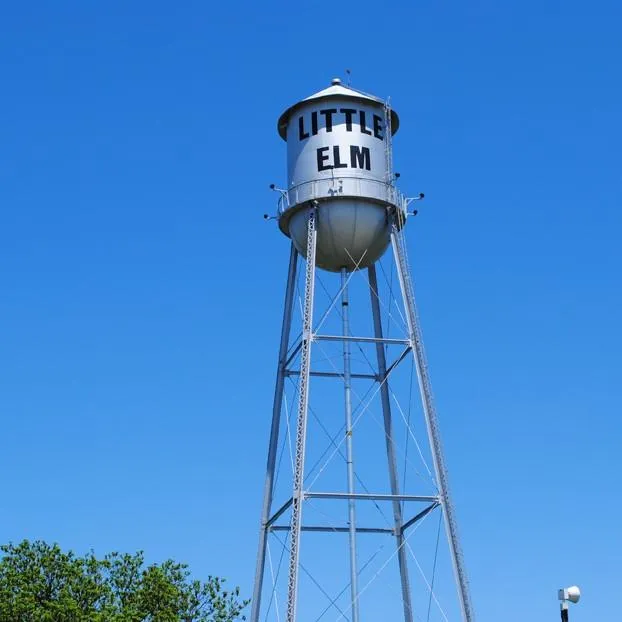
388, 145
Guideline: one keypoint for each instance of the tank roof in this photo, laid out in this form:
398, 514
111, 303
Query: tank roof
337, 89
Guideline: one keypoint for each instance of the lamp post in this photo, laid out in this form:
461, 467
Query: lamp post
568, 595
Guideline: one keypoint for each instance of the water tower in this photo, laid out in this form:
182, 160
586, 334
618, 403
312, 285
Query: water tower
342, 210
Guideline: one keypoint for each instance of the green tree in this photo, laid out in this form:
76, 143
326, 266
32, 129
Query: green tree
41, 583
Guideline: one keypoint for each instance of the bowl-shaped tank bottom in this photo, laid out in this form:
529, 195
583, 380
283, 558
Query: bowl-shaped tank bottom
351, 233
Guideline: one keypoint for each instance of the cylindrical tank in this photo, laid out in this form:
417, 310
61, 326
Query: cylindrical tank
339, 159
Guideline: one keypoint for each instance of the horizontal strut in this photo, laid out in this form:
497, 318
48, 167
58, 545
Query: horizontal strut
280, 511
331, 374
293, 354
397, 361
363, 496
419, 516
403, 342
334, 529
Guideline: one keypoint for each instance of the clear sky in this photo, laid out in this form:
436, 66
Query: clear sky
141, 291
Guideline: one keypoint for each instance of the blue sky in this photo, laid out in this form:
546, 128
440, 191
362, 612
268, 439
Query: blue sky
141, 290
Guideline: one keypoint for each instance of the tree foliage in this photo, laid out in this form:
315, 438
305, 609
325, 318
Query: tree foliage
41, 583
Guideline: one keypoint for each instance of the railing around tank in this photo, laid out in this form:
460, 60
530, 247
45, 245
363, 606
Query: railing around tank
342, 186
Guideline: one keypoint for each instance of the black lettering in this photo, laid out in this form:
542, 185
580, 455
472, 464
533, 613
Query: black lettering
378, 127
328, 113
349, 112
364, 129
301, 129
336, 159
360, 157
321, 158
314, 123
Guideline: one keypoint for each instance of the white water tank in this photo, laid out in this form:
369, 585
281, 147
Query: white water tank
338, 158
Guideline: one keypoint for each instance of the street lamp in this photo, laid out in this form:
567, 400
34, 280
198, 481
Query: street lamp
568, 595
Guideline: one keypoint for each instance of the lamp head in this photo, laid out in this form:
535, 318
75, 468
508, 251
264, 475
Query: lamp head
572, 594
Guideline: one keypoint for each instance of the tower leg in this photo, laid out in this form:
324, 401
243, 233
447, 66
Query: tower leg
274, 434
429, 412
301, 425
347, 384
388, 432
